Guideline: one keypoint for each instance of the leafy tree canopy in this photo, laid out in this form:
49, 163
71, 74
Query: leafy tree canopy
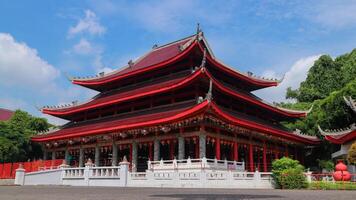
324, 77
15, 137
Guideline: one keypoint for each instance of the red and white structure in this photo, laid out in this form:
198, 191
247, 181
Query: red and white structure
177, 101
344, 137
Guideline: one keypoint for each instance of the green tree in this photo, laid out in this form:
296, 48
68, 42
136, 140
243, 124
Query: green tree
15, 137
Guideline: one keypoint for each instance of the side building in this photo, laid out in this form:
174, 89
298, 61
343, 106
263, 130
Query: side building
176, 101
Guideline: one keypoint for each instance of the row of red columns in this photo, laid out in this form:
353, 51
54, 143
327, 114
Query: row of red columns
235, 153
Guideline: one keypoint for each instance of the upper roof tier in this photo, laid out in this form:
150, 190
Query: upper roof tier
162, 56
173, 83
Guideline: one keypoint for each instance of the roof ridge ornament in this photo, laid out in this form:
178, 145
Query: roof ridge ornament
203, 62
130, 63
209, 95
350, 102
335, 132
198, 29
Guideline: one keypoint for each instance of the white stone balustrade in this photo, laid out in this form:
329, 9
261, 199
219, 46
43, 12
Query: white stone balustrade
196, 164
192, 173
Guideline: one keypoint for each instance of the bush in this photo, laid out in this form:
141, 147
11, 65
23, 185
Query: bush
351, 156
288, 173
323, 185
328, 165
293, 179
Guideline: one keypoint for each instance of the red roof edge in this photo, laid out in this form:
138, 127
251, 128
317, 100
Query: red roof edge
141, 70
255, 81
5, 114
262, 128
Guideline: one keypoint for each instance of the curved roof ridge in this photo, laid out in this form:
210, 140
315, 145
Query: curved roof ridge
182, 81
265, 128
251, 96
185, 112
246, 74
191, 37
350, 102
337, 132
301, 134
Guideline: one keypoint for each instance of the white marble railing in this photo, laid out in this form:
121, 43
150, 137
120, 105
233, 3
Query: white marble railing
73, 172
92, 172
200, 179
108, 171
198, 173
196, 164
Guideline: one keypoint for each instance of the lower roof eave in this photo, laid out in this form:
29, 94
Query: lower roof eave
195, 110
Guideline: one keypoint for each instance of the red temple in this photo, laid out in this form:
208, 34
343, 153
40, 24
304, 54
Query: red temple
176, 101
344, 137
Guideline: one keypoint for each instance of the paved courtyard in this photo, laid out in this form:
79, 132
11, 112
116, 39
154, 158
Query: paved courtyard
108, 193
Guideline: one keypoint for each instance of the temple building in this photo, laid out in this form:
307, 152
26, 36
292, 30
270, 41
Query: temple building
343, 137
177, 101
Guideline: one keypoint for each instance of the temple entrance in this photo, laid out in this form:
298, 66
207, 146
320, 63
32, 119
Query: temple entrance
226, 152
89, 153
191, 148
73, 158
164, 151
105, 156
210, 150
124, 150
142, 157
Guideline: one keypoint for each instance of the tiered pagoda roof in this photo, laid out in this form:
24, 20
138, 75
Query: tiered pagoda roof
117, 88
341, 136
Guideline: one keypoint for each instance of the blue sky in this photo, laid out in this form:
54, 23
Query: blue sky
42, 41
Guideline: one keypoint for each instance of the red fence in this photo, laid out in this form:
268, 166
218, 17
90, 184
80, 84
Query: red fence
8, 170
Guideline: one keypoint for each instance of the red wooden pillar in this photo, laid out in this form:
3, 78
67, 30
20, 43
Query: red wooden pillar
196, 147
286, 153
217, 148
236, 151
150, 151
296, 153
171, 150
251, 157
264, 157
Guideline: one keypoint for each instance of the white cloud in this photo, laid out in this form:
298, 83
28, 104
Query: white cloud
293, 77
335, 14
21, 65
83, 47
89, 24
169, 16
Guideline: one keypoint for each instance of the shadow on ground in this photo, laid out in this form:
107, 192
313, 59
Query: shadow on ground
216, 196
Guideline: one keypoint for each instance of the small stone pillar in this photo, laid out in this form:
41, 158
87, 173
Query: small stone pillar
124, 170
308, 176
114, 154
202, 146
134, 156
181, 148
156, 149
88, 171
97, 156
81, 157
20, 176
